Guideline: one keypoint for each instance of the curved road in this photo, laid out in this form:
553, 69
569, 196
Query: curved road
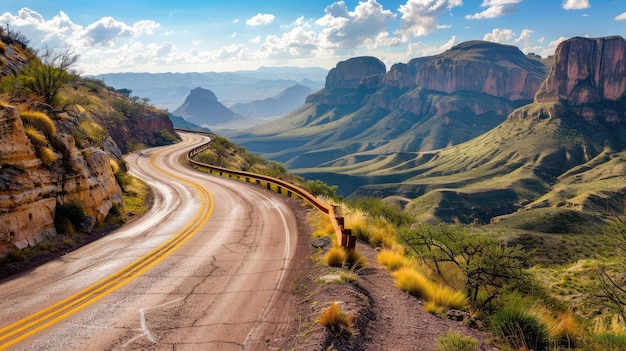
201, 270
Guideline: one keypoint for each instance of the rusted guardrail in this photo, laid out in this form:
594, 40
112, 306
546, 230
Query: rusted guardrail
344, 235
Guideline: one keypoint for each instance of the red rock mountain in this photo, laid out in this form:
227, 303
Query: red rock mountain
586, 71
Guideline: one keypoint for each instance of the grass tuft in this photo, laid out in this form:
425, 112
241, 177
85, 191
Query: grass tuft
393, 259
335, 257
413, 282
35, 136
336, 321
355, 260
38, 120
47, 155
454, 341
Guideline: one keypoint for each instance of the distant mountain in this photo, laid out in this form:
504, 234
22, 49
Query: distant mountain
556, 165
202, 108
287, 101
168, 90
425, 104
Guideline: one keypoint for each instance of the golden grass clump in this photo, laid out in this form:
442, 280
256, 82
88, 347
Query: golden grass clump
355, 260
393, 259
335, 320
115, 167
413, 282
47, 155
440, 297
563, 328
35, 135
448, 298
323, 226
335, 257
38, 120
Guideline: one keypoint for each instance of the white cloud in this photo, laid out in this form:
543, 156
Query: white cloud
495, 8
419, 17
507, 36
575, 4
261, 19
344, 29
621, 17
106, 30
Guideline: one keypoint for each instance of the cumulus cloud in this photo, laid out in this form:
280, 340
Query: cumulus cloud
106, 30
261, 19
575, 4
621, 17
507, 36
419, 17
495, 8
350, 29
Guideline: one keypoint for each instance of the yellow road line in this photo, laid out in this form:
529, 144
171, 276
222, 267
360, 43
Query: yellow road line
51, 315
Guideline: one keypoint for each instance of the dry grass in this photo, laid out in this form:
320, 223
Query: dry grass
38, 120
393, 259
335, 257
438, 296
47, 155
355, 260
563, 329
322, 225
335, 320
35, 136
413, 282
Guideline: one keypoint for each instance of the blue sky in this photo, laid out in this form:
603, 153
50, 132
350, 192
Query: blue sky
229, 35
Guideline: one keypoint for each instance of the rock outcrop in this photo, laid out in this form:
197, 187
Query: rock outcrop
356, 71
31, 190
586, 71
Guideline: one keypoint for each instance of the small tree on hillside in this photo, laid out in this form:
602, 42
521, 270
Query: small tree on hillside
48, 73
488, 266
611, 288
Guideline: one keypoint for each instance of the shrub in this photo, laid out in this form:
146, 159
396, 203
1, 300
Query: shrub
520, 329
453, 341
336, 321
335, 257
69, 212
564, 329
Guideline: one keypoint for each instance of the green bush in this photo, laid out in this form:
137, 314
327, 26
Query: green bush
452, 341
520, 329
68, 217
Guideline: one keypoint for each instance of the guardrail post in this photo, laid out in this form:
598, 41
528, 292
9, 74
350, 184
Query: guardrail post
258, 182
288, 193
268, 185
280, 190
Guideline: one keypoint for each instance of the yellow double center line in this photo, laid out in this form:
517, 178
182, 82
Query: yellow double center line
22, 329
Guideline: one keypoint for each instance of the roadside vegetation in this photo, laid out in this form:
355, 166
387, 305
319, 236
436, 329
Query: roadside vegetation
531, 290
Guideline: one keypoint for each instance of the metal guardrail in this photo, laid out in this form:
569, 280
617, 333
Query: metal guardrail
344, 235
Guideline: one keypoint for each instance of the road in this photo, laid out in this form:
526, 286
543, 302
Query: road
201, 270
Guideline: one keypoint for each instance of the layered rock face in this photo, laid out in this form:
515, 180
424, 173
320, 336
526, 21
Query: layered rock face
475, 66
30, 190
586, 71
356, 71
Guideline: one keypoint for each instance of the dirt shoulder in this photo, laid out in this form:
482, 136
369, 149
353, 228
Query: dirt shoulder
384, 317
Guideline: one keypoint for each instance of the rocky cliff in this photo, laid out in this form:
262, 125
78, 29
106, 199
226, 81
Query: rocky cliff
353, 72
586, 71
33, 184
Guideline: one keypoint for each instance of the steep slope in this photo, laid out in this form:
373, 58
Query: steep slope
57, 160
202, 108
561, 157
287, 101
428, 103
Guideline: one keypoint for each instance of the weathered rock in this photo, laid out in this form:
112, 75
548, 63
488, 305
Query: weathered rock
586, 71
31, 191
352, 72
483, 67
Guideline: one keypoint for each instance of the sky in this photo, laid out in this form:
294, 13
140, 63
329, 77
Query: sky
229, 35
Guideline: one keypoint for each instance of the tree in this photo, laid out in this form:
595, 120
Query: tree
48, 73
611, 289
488, 266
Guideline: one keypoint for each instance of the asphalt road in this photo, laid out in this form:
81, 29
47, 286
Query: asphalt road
200, 271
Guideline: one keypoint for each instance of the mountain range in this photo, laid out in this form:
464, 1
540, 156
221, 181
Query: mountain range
480, 133
169, 90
